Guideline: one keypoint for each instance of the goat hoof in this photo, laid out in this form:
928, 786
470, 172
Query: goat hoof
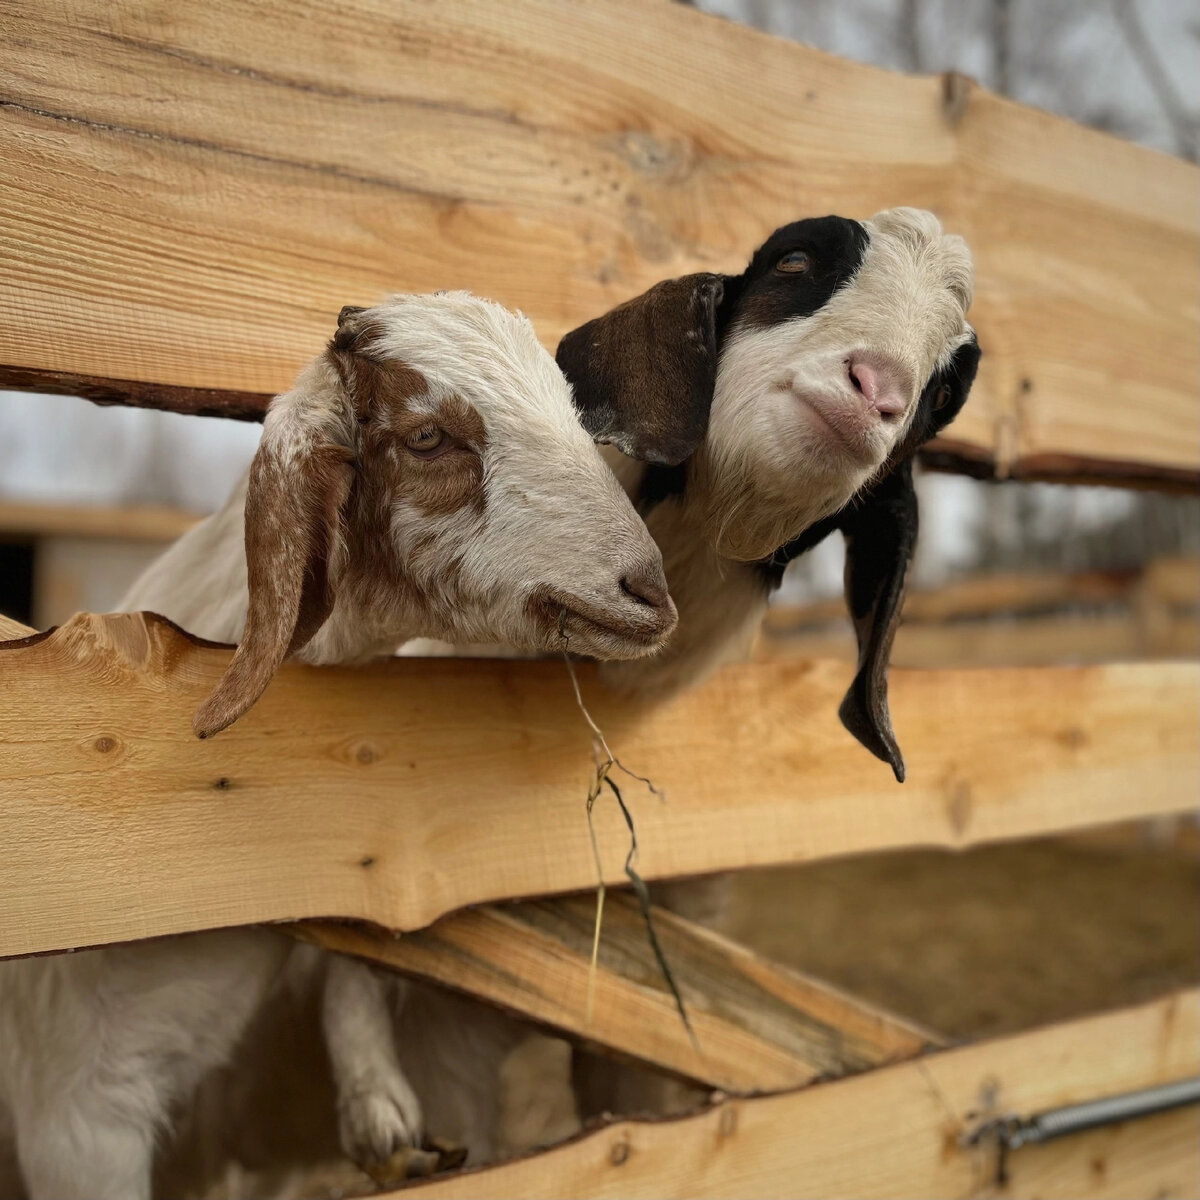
376, 1125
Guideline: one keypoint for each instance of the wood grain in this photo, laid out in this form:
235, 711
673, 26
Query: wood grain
759, 1026
895, 1132
192, 191
399, 792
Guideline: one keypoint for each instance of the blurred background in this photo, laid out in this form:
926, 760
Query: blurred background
972, 944
1017, 573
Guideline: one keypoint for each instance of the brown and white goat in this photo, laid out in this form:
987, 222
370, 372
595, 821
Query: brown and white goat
426, 476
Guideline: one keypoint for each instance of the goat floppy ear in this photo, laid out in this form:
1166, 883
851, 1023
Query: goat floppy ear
299, 482
881, 535
644, 373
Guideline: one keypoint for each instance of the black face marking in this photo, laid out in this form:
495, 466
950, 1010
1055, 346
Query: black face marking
941, 400
764, 294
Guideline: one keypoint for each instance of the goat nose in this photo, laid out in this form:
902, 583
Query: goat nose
879, 385
646, 585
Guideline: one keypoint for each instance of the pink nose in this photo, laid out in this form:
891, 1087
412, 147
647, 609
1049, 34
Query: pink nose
880, 385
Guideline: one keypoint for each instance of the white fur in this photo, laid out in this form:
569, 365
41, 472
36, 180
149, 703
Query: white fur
98, 1047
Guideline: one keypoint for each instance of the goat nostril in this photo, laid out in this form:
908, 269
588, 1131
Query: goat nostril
864, 380
880, 386
645, 587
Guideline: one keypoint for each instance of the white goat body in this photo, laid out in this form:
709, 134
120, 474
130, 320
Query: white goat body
404, 487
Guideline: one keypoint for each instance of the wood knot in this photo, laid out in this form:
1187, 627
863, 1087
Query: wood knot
106, 744
366, 755
223, 784
649, 156
367, 860
619, 1154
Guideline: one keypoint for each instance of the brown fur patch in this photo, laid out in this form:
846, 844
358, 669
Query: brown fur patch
317, 507
384, 399
644, 373
292, 518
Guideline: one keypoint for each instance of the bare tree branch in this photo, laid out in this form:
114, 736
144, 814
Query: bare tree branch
1002, 46
1152, 68
910, 34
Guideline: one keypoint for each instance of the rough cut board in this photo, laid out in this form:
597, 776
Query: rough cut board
894, 1133
192, 191
399, 792
759, 1026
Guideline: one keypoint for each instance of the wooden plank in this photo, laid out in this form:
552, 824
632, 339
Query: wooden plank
11, 630
142, 522
292, 158
1173, 581
1030, 642
897, 1132
759, 1026
399, 792
1016, 619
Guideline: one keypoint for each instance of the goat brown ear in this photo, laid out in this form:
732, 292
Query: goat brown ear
881, 535
644, 373
299, 482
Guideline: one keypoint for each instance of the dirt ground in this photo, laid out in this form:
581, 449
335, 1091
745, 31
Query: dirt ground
990, 940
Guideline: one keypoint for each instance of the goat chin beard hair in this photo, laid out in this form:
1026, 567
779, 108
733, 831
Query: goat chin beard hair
749, 514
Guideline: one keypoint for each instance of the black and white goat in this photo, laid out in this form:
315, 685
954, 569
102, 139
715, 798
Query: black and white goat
774, 407
426, 476
777, 406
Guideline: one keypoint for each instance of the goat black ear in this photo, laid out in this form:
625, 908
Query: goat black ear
881, 534
880, 527
644, 373
942, 397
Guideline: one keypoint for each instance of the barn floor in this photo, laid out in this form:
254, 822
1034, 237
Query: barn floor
991, 940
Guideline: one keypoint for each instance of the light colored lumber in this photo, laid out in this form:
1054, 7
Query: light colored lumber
11, 630
151, 523
400, 792
192, 192
895, 1133
1172, 581
759, 1026
1058, 639
1015, 619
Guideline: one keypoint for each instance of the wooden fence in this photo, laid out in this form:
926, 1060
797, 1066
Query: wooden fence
191, 192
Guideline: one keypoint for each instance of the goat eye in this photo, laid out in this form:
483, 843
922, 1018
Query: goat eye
426, 441
941, 397
795, 262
